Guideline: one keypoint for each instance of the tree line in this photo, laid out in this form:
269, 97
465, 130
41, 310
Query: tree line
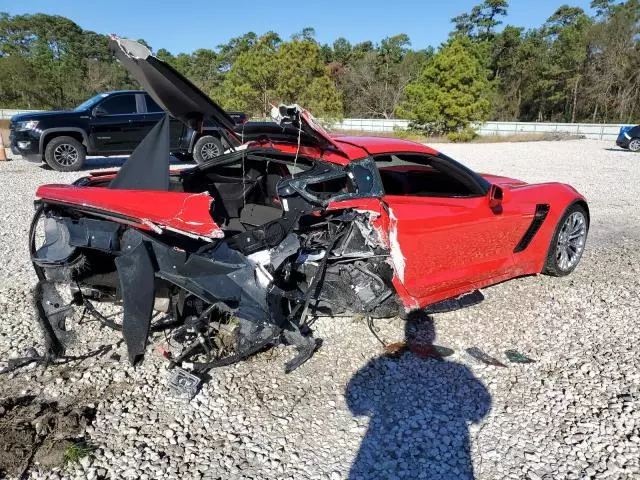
577, 66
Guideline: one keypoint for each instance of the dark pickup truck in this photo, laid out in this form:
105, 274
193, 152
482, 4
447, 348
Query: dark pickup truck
111, 123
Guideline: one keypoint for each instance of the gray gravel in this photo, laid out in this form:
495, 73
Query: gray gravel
349, 413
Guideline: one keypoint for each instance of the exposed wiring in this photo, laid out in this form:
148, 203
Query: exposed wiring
373, 330
91, 310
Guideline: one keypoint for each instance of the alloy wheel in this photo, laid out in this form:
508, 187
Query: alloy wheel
571, 241
65, 155
634, 145
209, 151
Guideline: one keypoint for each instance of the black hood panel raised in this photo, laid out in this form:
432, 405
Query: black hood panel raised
171, 91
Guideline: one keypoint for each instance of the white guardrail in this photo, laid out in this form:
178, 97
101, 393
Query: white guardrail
6, 113
595, 131
371, 124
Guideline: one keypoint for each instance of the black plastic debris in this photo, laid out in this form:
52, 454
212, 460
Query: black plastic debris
443, 351
483, 357
516, 357
427, 350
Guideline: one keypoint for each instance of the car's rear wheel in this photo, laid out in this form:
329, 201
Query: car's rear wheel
65, 154
207, 148
634, 144
568, 242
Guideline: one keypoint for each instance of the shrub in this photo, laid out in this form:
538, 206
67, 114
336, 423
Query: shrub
463, 135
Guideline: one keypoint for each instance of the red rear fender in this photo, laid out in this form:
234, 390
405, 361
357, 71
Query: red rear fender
186, 213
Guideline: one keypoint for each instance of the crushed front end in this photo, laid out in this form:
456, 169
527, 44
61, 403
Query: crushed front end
228, 275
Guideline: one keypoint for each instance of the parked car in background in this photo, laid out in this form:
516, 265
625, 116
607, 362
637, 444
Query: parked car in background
629, 138
111, 123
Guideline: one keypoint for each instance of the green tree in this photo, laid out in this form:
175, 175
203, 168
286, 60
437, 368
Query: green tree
574, 67
272, 71
250, 83
306, 34
567, 32
373, 82
229, 52
302, 78
50, 62
508, 73
342, 50
612, 83
482, 20
451, 91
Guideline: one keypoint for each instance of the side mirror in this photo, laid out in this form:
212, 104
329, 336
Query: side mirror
98, 112
495, 198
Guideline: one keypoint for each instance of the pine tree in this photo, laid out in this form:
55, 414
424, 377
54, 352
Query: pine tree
451, 92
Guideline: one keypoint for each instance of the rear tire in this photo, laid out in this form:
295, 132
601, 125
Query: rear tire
634, 144
567, 243
207, 148
65, 154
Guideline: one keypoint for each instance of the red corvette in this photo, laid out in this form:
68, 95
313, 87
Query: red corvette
242, 251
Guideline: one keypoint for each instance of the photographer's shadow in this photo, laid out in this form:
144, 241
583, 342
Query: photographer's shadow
420, 410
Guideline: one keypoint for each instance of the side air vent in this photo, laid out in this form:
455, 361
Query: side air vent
542, 210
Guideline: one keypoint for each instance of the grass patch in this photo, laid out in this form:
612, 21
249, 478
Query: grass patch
527, 137
76, 451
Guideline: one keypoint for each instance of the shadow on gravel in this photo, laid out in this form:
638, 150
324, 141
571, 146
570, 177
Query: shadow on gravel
420, 410
614, 149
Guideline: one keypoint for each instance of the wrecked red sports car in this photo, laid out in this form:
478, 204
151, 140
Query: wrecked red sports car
243, 251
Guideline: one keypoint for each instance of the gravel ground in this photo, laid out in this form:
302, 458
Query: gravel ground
348, 413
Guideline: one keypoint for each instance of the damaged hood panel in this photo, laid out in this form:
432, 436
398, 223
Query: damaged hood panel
300, 119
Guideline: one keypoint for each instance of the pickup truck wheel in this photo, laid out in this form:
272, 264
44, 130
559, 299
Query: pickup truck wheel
207, 148
634, 145
65, 154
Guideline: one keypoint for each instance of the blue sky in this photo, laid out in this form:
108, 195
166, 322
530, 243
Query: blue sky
182, 26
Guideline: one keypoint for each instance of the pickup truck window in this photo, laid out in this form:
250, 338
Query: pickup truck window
119, 105
152, 107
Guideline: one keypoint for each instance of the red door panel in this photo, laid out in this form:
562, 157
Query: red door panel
451, 243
